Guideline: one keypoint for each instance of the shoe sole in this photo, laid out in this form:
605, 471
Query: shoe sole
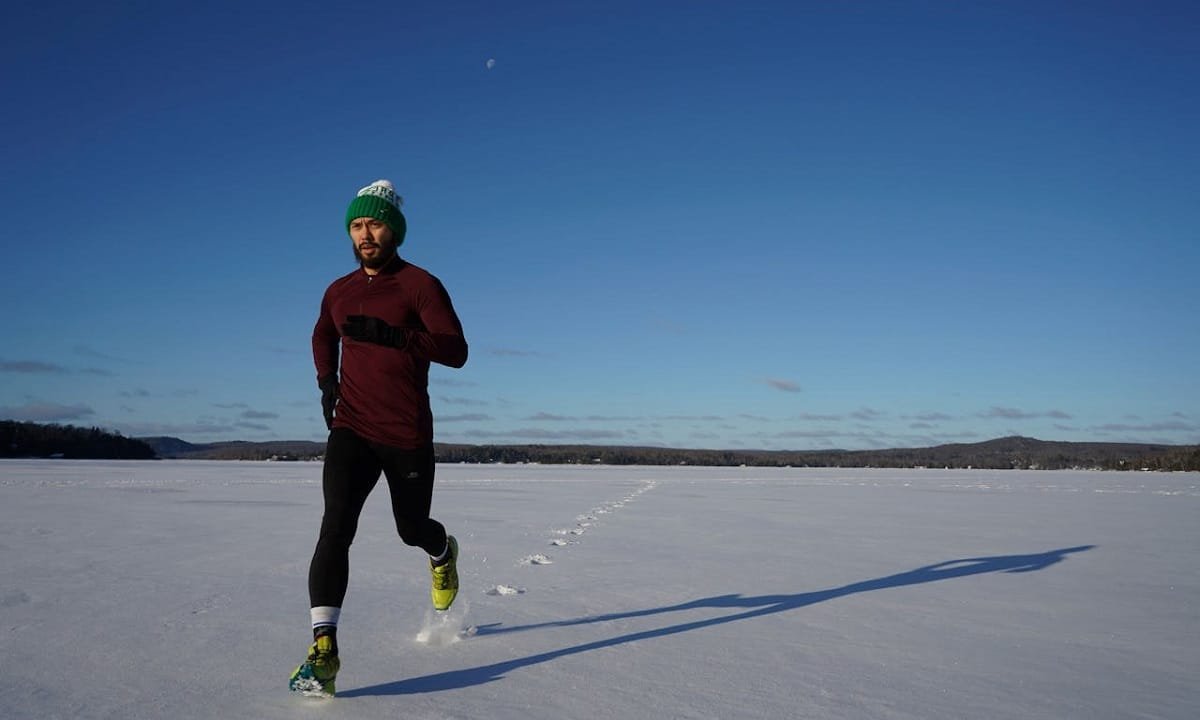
304, 683
311, 688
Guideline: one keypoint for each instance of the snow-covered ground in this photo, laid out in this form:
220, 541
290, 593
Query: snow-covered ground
177, 590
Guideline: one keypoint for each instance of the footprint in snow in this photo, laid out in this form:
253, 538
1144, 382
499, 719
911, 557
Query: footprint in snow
538, 559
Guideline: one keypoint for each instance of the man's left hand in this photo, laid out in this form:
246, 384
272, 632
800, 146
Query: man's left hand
365, 328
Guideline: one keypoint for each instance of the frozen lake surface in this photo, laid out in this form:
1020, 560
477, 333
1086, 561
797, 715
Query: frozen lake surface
177, 589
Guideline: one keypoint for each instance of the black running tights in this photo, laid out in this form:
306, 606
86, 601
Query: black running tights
352, 468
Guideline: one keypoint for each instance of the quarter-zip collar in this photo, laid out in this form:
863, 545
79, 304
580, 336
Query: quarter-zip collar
393, 266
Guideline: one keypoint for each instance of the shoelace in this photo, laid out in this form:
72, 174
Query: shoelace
317, 656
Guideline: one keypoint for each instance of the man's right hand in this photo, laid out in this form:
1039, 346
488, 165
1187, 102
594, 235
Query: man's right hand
329, 398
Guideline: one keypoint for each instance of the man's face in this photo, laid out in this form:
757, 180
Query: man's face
374, 242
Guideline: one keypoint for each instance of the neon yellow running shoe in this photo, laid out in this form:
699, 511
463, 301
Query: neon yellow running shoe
445, 578
315, 676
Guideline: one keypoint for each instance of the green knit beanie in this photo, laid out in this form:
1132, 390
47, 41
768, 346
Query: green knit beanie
380, 201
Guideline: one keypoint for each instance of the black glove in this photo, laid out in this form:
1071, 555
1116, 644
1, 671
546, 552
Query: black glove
373, 330
329, 397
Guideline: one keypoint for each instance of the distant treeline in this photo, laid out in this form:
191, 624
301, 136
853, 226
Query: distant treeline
1003, 453
25, 439
20, 439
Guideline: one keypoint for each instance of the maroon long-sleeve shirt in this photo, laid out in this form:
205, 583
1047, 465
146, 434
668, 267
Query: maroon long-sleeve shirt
384, 392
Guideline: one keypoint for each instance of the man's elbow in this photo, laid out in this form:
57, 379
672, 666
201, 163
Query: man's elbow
449, 350
460, 357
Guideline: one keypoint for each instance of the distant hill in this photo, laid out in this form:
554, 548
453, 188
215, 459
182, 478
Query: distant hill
18, 439
1002, 453
174, 448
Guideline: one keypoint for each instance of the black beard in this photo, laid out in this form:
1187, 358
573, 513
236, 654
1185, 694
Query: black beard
378, 261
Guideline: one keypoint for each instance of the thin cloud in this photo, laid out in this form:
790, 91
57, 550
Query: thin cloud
139, 429
541, 434
548, 417
1170, 426
512, 352
46, 412
1007, 413
452, 382
259, 415
806, 434
467, 417
813, 417
31, 367
144, 393
461, 401
613, 418
692, 418
88, 352
866, 414
783, 385
933, 417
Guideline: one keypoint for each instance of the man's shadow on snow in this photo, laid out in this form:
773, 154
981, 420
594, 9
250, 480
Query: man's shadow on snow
756, 606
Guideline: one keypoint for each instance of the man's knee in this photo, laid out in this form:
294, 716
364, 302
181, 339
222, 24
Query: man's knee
337, 533
411, 532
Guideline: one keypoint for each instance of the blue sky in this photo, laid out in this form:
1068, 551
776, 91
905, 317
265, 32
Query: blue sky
695, 224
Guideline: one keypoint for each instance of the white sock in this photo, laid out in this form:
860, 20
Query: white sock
325, 615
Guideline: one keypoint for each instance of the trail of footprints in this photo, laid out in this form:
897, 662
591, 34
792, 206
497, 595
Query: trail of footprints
563, 537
